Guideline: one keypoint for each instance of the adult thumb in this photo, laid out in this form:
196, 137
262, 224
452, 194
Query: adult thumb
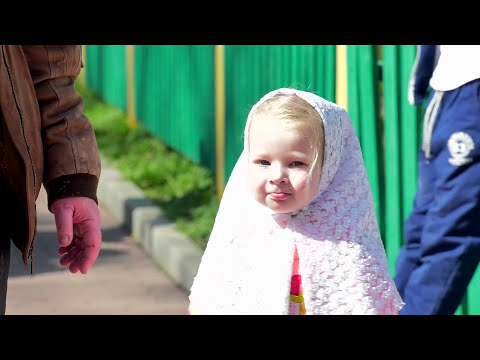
63, 210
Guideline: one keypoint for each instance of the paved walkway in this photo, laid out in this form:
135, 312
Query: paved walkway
123, 281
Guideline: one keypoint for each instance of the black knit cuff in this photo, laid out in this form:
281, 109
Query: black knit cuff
72, 185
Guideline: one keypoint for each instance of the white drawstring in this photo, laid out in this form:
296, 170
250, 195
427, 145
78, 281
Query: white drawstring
429, 121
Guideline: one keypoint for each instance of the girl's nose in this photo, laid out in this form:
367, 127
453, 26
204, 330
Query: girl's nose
277, 175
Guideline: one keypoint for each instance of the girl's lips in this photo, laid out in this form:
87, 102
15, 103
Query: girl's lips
279, 195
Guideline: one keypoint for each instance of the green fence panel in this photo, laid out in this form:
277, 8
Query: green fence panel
93, 67
251, 71
114, 89
363, 107
106, 73
392, 94
402, 134
411, 118
115, 79
174, 97
473, 295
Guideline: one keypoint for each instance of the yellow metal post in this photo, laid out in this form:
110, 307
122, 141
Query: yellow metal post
341, 94
220, 116
130, 57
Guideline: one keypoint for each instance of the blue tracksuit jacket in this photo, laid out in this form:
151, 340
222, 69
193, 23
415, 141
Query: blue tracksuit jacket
442, 234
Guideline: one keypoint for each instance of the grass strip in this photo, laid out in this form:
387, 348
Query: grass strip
185, 191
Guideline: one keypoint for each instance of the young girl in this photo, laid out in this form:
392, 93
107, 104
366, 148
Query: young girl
296, 231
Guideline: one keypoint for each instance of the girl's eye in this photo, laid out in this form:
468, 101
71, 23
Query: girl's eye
264, 162
297, 163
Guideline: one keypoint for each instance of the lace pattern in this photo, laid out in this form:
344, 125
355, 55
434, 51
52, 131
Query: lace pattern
246, 268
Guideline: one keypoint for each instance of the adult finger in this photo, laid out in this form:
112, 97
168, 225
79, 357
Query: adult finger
92, 240
63, 211
70, 256
73, 267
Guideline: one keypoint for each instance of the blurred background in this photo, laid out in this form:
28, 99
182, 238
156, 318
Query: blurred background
171, 118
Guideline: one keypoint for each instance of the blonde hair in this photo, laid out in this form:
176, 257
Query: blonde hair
300, 115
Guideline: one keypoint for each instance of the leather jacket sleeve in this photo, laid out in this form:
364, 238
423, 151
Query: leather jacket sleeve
71, 158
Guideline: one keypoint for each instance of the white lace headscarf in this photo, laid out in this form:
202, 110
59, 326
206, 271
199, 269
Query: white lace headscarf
247, 265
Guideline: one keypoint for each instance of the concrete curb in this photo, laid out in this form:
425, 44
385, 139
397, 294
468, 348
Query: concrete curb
173, 252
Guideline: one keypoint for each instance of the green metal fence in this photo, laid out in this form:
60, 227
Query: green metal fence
251, 71
107, 73
401, 142
364, 110
174, 96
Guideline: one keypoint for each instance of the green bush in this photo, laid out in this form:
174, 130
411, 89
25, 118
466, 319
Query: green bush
184, 191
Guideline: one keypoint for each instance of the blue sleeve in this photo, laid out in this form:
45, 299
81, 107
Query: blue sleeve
422, 71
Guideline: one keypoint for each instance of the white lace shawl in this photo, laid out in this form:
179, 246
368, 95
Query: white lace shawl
247, 265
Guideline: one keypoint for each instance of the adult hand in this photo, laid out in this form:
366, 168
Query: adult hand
78, 228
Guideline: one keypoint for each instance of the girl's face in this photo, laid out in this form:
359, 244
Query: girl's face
279, 164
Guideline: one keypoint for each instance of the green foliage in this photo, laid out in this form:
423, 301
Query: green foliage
184, 191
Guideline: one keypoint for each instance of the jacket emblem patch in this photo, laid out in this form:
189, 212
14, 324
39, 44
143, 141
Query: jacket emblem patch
460, 145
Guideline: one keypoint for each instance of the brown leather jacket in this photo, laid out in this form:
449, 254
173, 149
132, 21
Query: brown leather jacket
45, 137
